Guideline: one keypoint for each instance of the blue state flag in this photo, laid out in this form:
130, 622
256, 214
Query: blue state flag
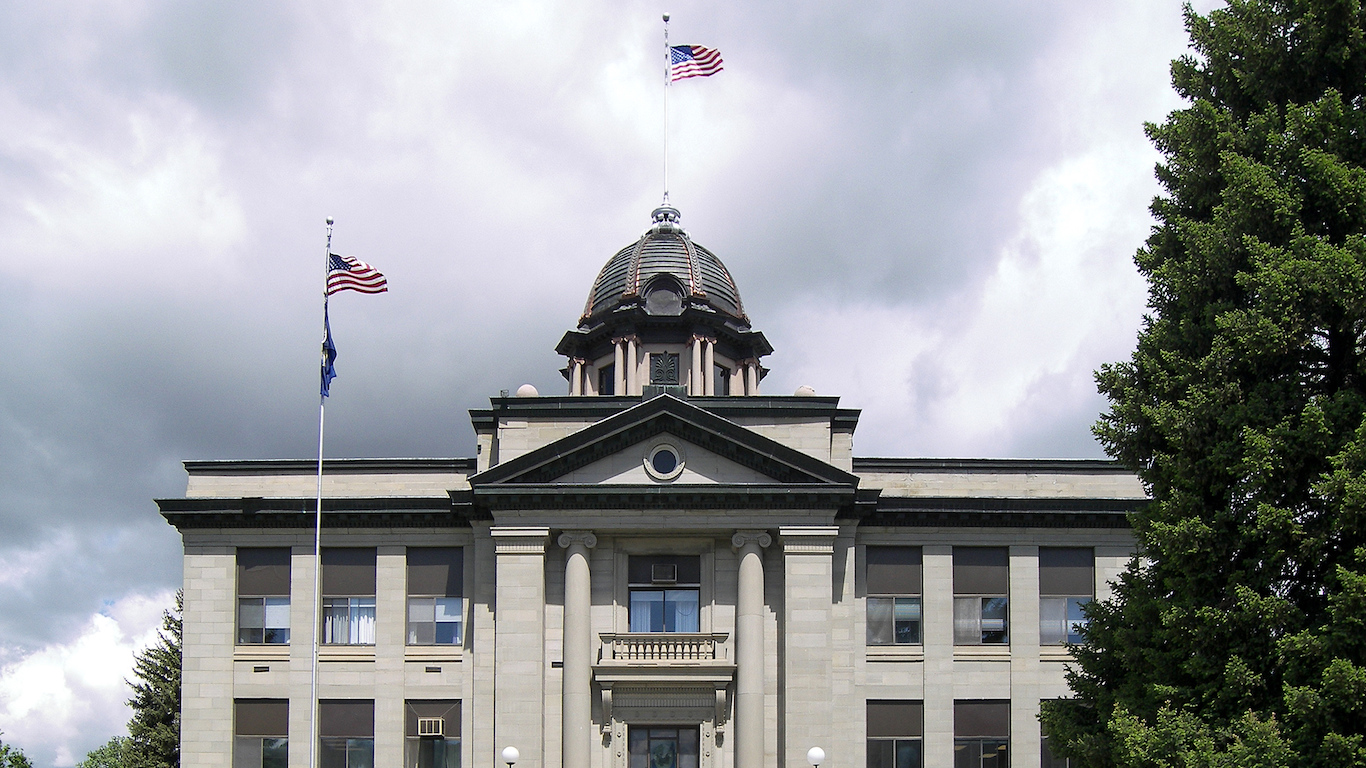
329, 354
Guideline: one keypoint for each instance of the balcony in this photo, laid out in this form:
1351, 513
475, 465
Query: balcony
663, 648
674, 662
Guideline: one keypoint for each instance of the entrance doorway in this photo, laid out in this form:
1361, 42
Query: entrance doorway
662, 747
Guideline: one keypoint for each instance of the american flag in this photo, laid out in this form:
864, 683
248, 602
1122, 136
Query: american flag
348, 273
692, 61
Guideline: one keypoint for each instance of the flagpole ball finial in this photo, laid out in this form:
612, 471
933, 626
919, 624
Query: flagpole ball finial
666, 18
329, 221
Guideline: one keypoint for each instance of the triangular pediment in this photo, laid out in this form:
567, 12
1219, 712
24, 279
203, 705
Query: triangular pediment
714, 451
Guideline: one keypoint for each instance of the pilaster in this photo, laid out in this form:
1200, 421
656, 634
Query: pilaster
807, 576
519, 645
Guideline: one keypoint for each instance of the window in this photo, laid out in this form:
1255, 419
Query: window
607, 380
663, 368
263, 596
666, 747
348, 588
435, 588
260, 733
1067, 582
894, 734
893, 601
1048, 760
981, 585
346, 733
721, 380
432, 734
981, 734
664, 593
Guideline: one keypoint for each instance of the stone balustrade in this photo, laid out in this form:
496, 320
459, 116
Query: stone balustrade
663, 647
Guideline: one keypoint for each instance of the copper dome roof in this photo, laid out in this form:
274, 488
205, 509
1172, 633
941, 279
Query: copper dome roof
665, 257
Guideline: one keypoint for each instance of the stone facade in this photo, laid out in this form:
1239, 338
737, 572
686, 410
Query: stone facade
760, 524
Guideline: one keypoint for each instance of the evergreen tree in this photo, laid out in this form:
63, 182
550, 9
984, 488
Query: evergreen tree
154, 731
1240, 638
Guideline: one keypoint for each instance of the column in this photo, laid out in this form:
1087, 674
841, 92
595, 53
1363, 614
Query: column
807, 602
937, 628
752, 378
575, 377
708, 367
632, 375
695, 385
749, 649
1024, 654
618, 366
577, 710
519, 644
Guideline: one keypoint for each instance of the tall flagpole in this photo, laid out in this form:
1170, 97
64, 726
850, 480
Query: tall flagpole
318, 526
668, 64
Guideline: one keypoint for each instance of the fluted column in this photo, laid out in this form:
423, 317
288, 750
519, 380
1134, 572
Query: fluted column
749, 649
575, 377
695, 385
632, 375
577, 709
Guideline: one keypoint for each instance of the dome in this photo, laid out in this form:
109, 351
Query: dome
665, 272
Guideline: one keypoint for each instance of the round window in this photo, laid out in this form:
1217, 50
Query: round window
664, 462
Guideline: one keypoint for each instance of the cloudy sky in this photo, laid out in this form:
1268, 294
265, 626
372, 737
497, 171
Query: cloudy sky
931, 210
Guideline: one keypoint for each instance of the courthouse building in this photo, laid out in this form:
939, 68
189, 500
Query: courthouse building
664, 568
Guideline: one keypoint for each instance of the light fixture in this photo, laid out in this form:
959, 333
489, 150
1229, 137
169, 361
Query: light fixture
815, 756
510, 755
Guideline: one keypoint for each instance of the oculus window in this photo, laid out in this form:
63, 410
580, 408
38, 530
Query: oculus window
260, 733
981, 588
981, 734
892, 579
1067, 582
436, 607
263, 596
895, 730
348, 587
664, 593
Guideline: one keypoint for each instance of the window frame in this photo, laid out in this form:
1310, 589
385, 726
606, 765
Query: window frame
275, 599
971, 606
1061, 610
358, 606
677, 585
431, 598
893, 599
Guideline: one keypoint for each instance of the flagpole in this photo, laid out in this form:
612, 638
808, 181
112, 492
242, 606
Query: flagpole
318, 527
668, 63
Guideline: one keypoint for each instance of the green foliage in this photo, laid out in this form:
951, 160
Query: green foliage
13, 757
1238, 639
154, 731
111, 754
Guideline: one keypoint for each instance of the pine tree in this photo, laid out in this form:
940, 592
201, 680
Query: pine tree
1240, 638
154, 730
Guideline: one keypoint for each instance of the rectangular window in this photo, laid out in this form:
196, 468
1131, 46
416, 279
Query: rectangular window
1067, 582
721, 380
895, 729
893, 600
432, 734
260, 733
1048, 760
348, 587
662, 747
981, 588
436, 607
981, 734
607, 380
263, 595
346, 733
665, 592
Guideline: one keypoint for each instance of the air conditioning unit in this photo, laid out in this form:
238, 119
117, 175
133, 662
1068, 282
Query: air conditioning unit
431, 726
661, 573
